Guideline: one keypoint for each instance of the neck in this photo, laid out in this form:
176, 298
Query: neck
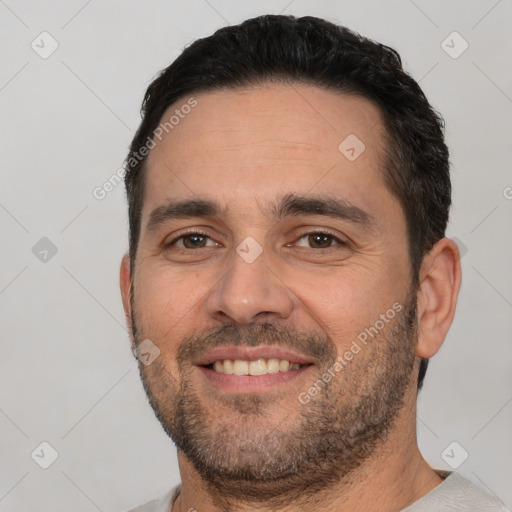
394, 477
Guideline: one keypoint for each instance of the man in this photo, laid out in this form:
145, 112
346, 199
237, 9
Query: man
288, 276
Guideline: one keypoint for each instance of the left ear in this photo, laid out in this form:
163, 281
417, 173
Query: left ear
439, 284
125, 283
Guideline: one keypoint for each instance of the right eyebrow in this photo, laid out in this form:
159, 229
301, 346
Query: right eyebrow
182, 209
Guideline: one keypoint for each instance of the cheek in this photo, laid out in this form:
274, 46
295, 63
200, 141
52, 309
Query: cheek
347, 301
166, 305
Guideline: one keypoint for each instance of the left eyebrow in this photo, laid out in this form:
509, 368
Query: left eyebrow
287, 206
333, 207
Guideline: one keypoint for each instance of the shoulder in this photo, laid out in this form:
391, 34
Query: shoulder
163, 504
457, 493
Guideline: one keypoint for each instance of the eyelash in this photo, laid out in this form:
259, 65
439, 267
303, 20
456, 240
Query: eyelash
202, 233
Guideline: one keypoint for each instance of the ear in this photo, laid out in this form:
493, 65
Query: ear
125, 284
439, 284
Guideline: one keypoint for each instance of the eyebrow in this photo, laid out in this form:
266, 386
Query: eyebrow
289, 205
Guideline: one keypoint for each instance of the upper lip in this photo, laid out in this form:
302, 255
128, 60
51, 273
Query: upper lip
245, 353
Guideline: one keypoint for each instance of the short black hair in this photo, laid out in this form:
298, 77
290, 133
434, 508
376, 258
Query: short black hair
310, 50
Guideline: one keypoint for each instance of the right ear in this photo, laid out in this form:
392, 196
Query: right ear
125, 284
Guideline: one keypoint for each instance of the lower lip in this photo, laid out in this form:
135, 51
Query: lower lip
248, 383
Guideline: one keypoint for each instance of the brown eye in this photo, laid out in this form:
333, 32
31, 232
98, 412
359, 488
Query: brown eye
319, 240
192, 241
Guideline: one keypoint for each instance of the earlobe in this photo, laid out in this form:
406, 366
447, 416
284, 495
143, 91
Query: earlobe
440, 278
125, 284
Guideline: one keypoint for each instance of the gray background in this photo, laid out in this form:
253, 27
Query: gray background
67, 375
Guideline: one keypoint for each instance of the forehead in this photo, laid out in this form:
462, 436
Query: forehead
244, 146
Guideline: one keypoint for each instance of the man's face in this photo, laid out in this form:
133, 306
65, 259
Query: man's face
268, 271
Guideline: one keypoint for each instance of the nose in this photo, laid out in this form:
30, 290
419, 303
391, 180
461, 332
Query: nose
248, 291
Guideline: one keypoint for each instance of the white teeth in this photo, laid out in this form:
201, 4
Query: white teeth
272, 365
240, 367
284, 365
258, 367
228, 366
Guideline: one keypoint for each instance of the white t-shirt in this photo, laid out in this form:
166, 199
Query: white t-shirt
455, 493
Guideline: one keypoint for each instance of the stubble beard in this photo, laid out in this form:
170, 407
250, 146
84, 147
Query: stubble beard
313, 446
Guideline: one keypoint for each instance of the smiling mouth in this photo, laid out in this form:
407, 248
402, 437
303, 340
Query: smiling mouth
254, 368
